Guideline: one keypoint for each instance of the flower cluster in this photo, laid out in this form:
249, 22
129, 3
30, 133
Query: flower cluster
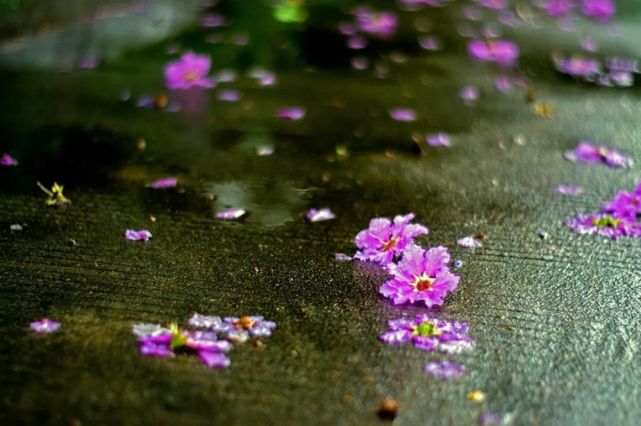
210, 337
417, 275
619, 217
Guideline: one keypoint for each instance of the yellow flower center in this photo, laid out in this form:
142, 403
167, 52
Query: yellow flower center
191, 76
423, 282
390, 244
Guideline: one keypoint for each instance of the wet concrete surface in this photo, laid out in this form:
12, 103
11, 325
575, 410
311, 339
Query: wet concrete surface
555, 320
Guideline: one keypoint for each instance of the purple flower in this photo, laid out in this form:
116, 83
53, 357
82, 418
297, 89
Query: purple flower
239, 330
402, 114
229, 95
291, 113
44, 326
469, 93
558, 8
88, 62
320, 215
168, 182
7, 160
214, 359
469, 242
502, 52
384, 239
156, 341
379, 24
230, 214
428, 334
570, 190
356, 42
625, 205
265, 78
213, 20
599, 10
142, 235
439, 139
605, 225
578, 66
444, 370
494, 419
588, 152
189, 71
421, 276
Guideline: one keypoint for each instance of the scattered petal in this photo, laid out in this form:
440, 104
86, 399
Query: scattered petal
168, 182
214, 359
342, 257
291, 113
44, 326
190, 71
570, 190
444, 370
230, 214
439, 139
141, 235
469, 242
8, 161
402, 114
320, 215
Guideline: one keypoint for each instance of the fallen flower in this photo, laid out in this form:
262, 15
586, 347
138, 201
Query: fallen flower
402, 114
230, 214
156, 341
444, 370
168, 182
421, 276
291, 113
599, 10
314, 215
469, 242
502, 52
384, 239
44, 326
428, 334
605, 225
469, 93
228, 95
7, 160
570, 190
188, 72
590, 153
438, 139
142, 235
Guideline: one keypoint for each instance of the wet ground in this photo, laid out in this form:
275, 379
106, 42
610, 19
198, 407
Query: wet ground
555, 319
